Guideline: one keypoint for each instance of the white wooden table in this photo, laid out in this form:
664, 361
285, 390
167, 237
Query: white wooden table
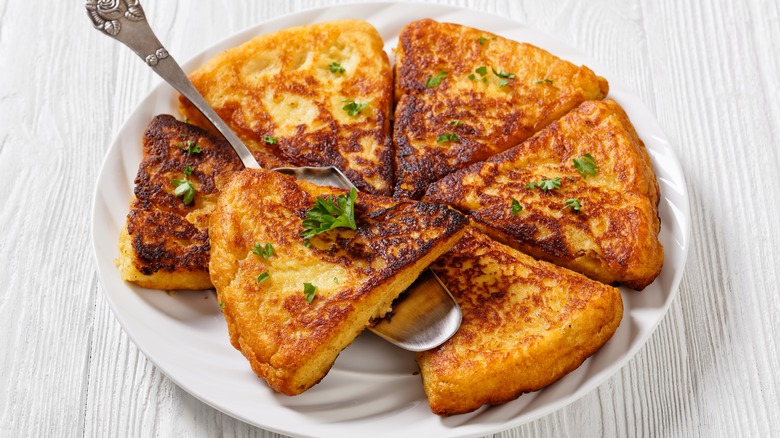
709, 70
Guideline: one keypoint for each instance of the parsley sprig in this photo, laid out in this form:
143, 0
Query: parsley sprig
545, 184
328, 213
586, 165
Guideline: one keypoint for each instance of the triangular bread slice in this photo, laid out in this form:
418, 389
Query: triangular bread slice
613, 237
164, 244
463, 95
299, 93
526, 324
289, 342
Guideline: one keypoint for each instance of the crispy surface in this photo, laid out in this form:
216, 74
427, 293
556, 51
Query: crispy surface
492, 118
613, 239
525, 325
280, 85
164, 244
289, 343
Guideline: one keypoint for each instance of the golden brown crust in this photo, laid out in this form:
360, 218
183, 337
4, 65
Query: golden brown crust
280, 85
491, 118
526, 324
613, 239
289, 343
164, 244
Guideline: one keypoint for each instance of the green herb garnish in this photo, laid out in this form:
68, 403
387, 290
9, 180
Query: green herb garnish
483, 40
190, 147
184, 190
353, 108
335, 67
221, 304
586, 165
454, 122
309, 291
503, 74
270, 140
472, 77
184, 187
448, 137
545, 184
544, 81
504, 77
574, 203
436, 80
516, 207
264, 251
330, 213
263, 277
481, 70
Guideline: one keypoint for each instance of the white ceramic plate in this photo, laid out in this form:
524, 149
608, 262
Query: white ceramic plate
373, 388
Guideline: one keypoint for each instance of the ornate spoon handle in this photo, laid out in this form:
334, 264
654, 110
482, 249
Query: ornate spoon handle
125, 21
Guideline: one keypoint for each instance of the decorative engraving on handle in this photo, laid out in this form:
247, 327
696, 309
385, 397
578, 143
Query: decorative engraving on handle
154, 58
106, 14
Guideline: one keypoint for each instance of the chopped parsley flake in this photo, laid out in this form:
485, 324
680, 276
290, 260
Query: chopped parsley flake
516, 207
503, 74
184, 188
454, 122
309, 291
264, 251
190, 147
263, 277
481, 70
586, 165
335, 67
436, 80
503, 77
472, 77
221, 304
448, 137
353, 108
544, 81
483, 40
270, 140
574, 203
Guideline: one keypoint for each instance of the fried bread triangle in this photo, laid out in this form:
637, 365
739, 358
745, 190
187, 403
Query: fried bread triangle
604, 225
164, 244
526, 324
316, 95
291, 333
464, 94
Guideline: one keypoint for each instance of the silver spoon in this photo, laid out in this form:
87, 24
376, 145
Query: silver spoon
423, 318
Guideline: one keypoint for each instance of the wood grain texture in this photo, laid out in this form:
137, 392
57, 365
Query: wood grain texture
707, 69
